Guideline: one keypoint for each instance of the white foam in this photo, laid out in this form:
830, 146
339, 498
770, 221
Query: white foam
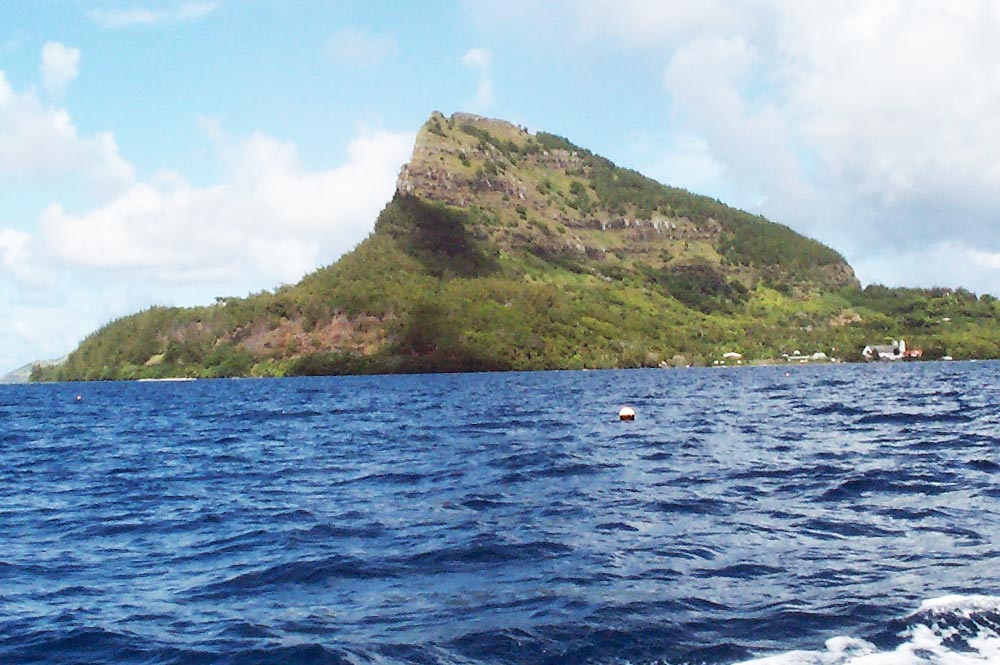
963, 605
924, 643
838, 650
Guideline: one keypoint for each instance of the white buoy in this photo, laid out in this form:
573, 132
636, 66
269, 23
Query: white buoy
626, 413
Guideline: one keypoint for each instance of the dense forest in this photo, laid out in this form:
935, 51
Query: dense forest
504, 250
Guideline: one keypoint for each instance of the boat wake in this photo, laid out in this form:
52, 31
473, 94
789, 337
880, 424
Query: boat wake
950, 630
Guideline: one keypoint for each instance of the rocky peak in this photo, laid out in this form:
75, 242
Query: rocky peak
448, 151
542, 193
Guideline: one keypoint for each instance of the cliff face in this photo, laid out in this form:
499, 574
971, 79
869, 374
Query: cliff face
503, 249
541, 193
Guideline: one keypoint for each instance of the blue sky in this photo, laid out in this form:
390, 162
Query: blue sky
169, 152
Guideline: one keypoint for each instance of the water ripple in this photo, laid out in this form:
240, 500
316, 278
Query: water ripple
343, 520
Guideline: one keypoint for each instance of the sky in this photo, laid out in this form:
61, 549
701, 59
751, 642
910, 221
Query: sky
172, 152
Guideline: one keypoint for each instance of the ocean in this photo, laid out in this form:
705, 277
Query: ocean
785, 515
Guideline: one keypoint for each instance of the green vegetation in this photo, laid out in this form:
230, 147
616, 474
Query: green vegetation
700, 286
560, 260
441, 238
744, 239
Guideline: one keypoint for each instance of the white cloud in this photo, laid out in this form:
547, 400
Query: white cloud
632, 24
270, 221
484, 98
710, 81
195, 10
644, 23
479, 60
133, 16
39, 143
46, 330
683, 161
60, 65
940, 263
16, 258
897, 106
120, 18
359, 48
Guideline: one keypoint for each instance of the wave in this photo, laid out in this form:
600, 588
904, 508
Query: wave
897, 418
483, 552
886, 481
100, 645
838, 410
724, 526
292, 573
981, 464
949, 630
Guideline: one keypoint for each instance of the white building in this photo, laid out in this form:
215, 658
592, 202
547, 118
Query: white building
894, 351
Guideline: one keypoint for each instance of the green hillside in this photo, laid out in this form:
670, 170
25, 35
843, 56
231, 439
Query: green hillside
508, 250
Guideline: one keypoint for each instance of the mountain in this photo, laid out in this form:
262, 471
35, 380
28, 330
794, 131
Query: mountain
543, 195
23, 373
502, 249
20, 375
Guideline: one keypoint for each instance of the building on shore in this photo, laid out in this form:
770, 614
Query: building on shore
896, 350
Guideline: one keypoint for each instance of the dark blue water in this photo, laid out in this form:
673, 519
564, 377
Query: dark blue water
503, 518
